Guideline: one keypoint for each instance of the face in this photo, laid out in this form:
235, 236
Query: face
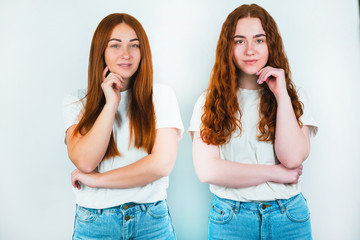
122, 54
250, 49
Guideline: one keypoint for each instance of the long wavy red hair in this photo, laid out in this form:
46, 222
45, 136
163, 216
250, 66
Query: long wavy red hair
222, 114
140, 97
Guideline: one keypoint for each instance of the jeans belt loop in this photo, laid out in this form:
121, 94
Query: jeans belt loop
281, 205
237, 206
143, 207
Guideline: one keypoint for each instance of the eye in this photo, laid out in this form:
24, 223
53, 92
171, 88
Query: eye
259, 40
115, 46
239, 41
135, 46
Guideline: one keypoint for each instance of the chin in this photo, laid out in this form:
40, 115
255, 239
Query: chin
250, 72
124, 75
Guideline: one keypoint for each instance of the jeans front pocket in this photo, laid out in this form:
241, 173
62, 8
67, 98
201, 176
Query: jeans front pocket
85, 215
220, 211
158, 209
298, 211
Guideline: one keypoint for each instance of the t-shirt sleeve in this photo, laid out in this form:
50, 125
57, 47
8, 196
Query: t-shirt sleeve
195, 122
307, 117
71, 109
167, 109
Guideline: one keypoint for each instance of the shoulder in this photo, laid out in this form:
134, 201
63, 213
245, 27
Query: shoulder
300, 90
166, 107
75, 96
199, 105
161, 89
162, 93
200, 102
302, 95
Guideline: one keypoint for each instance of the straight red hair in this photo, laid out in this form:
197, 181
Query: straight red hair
222, 114
140, 97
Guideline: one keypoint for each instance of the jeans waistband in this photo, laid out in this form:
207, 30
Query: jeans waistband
260, 206
126, 207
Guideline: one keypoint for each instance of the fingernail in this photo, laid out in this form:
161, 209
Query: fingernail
258, 81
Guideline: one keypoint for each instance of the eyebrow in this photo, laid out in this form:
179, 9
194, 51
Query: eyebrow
255, 36
119, 40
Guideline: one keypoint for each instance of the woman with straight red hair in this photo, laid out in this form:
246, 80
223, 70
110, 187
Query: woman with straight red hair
121, 135
251, 133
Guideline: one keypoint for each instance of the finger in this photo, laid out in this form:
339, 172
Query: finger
73, 183
73, 173
118, 76
266, 76
261, 73
112, 81
262, 76
116, 85
261, 70
105, 72
114, 77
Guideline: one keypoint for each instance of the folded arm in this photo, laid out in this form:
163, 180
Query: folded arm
87, 151
292, 142
150, 168
210, 168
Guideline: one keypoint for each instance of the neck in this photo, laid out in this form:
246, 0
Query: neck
247, 81
125, 84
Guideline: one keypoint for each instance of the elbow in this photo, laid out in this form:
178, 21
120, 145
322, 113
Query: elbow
166, 167
295, 160
292, 163
86, 169
204, 172
82, 165
204, 176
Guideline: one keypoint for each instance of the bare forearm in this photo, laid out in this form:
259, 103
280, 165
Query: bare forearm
140, 173
150, 168
231, 174
90, 149
210, 168
291, 144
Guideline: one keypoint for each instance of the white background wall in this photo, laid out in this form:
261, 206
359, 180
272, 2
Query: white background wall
44, 49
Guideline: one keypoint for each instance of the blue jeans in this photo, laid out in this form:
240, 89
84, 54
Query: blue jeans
281, 219
127, 221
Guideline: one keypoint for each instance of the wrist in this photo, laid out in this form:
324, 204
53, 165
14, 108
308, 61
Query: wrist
96, 180
275, 173
270, 173
283, 96
112, 107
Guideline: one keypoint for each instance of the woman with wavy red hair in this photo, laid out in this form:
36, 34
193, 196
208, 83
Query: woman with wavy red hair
121, 135
251, 133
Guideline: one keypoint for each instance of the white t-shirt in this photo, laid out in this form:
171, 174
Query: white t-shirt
247, 149
167, 116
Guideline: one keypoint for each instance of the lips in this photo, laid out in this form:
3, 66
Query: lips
124, 65
250, 62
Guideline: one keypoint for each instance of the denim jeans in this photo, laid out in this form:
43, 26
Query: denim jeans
281, 219
125, 222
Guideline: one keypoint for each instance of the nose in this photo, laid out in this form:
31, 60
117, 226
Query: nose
249, 49
125, 53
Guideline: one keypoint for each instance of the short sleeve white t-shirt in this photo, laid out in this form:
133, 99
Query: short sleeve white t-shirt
167, 115
246, 148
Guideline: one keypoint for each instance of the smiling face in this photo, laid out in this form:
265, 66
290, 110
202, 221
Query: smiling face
122, 54
250, 48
